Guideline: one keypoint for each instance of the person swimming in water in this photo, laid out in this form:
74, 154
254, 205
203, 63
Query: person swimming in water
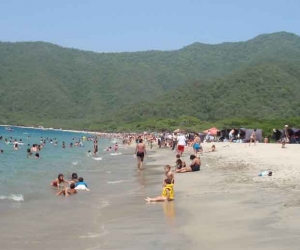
74, 178
68, 191
29, 153
59, 180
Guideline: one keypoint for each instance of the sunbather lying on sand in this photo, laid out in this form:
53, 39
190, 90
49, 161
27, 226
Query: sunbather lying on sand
195, 166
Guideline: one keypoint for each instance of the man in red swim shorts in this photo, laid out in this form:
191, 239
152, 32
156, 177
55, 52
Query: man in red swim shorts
181, 142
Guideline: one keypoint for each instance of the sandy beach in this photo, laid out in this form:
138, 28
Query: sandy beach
227, 206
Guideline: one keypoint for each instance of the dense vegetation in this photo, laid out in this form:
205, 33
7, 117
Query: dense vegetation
256, 82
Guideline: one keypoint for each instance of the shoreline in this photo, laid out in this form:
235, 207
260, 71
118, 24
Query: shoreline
54, 129
261, 212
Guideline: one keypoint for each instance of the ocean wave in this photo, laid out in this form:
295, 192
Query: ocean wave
13, 197
75, 163
97, 158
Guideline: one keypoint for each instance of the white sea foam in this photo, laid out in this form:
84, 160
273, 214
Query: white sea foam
97, 158
115, 182
115, 153
103, 204
89, 235
13, 197
75, 163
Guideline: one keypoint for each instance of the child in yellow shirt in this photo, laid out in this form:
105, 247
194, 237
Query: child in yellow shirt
167, 193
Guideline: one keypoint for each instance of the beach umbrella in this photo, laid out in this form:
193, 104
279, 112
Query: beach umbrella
213, 131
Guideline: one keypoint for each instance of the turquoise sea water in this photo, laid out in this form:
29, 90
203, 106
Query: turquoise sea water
113, 215
23, 178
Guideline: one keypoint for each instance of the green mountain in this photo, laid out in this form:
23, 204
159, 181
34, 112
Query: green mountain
44, 84
270, 90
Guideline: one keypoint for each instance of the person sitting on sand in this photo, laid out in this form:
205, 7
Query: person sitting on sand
212, 149
68, 191
179, 163
169, 174
167, 193
60, 179
195, 165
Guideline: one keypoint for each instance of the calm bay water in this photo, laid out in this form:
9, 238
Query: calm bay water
113, 215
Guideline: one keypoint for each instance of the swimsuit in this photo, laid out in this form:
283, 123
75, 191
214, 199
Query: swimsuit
168, 187
141, 155
180, 148
195, 167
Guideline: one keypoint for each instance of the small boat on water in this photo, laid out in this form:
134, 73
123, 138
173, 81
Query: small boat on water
9, 129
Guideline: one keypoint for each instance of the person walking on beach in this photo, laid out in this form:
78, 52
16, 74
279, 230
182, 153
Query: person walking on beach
253, 137
285, 136
231, 135
174, 141
181, 142
197, 144
140, 152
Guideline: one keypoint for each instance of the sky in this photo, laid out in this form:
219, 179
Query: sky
139, 25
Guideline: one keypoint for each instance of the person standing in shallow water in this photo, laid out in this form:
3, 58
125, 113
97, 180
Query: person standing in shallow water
140, 152
95, 145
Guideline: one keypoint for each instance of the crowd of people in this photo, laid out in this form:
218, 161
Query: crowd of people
176, 142
69, 187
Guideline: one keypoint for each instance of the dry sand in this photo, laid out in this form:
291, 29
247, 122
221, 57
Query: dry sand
226, 204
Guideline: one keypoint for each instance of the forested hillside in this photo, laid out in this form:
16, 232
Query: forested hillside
44, 84
265, 91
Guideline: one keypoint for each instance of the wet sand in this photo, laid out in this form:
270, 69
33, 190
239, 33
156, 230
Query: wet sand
226, 204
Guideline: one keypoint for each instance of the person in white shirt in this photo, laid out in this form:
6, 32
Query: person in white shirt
181, 142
